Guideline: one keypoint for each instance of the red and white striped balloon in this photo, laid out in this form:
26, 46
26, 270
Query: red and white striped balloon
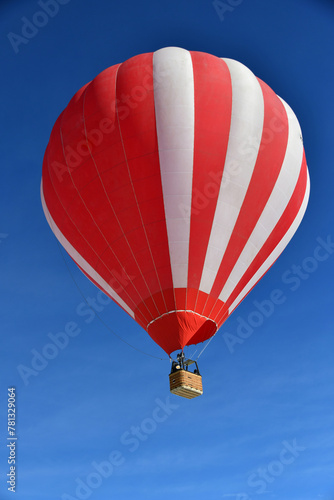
174, 181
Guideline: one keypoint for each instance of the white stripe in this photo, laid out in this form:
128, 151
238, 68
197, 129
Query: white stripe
277, 251
276, 204
174, 110
81, 261
243, 145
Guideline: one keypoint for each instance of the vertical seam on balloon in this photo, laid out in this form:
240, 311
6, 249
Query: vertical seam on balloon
81, 232
56, 230
111, 206
52, 223
107, 242
300, 214
283, 170
277, 171
241, 206
227, 157
141, 218
293, 227
69, 172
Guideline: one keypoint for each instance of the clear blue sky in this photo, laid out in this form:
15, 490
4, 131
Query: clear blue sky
96, 421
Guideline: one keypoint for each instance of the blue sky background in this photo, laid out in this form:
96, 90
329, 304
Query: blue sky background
264, 395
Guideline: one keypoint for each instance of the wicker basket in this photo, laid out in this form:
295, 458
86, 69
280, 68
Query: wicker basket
186, 384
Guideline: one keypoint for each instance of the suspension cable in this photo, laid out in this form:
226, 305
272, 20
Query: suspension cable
206, 345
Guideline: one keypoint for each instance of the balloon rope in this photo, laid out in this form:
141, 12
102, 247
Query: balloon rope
99, 317
206, 345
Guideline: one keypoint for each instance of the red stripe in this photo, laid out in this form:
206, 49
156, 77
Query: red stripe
144, 191
116, 227
67, 161
116, 267
267, 168
286, 220
213, 105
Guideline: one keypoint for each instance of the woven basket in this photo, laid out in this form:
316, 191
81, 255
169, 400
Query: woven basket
185, 384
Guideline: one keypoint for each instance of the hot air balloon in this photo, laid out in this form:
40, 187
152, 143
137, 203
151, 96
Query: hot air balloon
174, 180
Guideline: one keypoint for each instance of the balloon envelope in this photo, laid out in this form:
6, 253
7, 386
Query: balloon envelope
175, 180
